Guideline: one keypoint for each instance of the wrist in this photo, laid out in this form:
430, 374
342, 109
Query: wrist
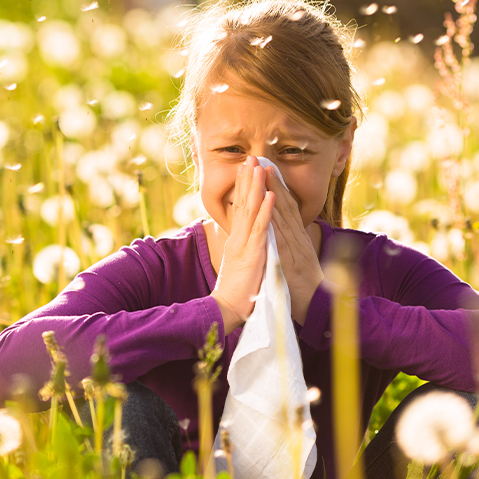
231, 319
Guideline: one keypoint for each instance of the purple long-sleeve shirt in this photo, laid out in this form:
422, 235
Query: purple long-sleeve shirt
152, 301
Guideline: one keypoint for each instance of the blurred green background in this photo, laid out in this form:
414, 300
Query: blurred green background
85, 160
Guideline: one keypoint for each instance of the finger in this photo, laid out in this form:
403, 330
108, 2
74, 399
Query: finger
262, 221
250, 205
285, 202
243, 181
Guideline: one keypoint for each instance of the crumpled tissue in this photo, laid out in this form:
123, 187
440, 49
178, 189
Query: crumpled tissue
267, 385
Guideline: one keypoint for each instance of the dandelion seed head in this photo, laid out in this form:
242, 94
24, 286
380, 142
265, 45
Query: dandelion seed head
400, 187
90, 7
389, 10
219, 88
394, 226
47, 261
416, 38
369, 9
58, 43
12, 166
330, 104
108, 41
16, 240
145, 106
10, 433
118, 104
11, 87
38, 119
103, 240
51, 208
15, 36
261, 41
297, 15
78, 122
187, 208
434, 425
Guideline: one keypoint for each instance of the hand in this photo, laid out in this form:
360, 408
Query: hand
244, 256
299, 260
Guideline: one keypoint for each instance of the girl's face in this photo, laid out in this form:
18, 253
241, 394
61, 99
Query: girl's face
232, 125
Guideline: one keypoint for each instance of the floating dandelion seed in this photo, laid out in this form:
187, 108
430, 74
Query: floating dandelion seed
41, 19
389, 10
220, 88
3, 63
442, 40
12, 167
10, 433
184, 52
297, 15
369, 9
183, 23
313, 395
92, 102
11, 87
17, 240
36, 188
219, 453
145, 106
379, 82
89, 8
139, 160
397, 40
331, 104
132, 137
184, 423
179, 73
38, 119
359, 43
417, 38
273, 141
261, 41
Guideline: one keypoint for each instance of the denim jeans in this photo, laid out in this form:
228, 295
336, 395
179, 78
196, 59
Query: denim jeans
151, 429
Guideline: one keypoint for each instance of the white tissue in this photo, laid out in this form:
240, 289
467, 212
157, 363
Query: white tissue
264, 394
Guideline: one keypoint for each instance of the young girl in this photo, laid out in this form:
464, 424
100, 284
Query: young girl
259, 81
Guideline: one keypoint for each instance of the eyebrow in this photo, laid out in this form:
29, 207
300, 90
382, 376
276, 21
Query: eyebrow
228, 134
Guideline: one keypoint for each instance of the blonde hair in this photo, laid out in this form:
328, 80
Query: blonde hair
292, 51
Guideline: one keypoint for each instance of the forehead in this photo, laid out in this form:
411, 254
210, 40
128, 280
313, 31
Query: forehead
234, 101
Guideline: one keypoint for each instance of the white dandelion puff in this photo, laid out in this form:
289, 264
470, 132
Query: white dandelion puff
47, 262
14, 68
219, 453
41, 19
139, 160
261, 41
434, 425
188, 208
102, 239
4, 62
108, 41
400, 187
184, 423
118, 104
369, 9
330, 104
90, 7
11, 87
179, 73
273, 141
379, 82
58, 43
78, 122
10, 433
92, 102
4, 134
219, 88
51, 208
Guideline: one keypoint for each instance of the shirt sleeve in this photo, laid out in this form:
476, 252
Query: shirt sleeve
113, 298
415, 316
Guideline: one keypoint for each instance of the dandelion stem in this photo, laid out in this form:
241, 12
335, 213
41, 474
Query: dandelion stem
100, 420
53, 417
205, 417
117, 427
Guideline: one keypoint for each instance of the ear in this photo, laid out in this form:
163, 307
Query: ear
345, 147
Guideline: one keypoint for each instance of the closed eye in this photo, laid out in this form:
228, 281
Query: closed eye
230, 149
